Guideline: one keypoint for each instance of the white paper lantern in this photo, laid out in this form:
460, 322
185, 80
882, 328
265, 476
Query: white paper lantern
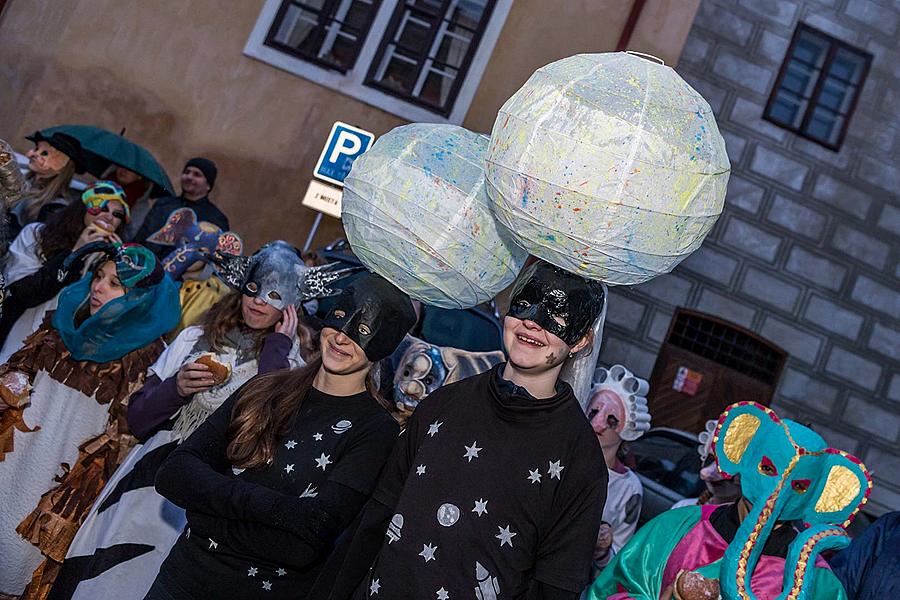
607, 165
416, 212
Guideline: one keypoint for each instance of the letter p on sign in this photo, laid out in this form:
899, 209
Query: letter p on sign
345, 143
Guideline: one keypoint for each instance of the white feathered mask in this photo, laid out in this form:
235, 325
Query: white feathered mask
631, 392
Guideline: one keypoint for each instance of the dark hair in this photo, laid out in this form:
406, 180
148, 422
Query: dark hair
63, 228
222, 317
267, 408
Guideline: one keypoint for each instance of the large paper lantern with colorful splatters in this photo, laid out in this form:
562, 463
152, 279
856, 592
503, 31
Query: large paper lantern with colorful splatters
607, 165
416, 212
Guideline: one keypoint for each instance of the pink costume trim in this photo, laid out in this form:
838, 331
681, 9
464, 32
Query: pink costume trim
703, 545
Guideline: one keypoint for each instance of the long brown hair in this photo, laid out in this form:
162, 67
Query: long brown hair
267, 408
44, 191
222, 317
226, 314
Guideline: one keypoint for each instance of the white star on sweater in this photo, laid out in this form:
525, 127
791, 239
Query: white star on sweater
317, 437
267, 585
443, 594
289, 468
472, 451
376, 585
534, 476
213, 545
252, 571
290, 444
555, 469
281, 572
433, 428
505, 536
428, 552
420, 470
480, 506
323, 461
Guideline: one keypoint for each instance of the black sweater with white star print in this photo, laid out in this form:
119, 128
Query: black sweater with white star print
264, 533
492, 494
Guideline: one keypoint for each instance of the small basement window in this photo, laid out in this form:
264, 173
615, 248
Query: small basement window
725, 344
818, 87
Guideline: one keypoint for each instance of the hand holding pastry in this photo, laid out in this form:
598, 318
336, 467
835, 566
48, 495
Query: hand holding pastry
90, 234
220, 371
15, 390
690, 585
193, 378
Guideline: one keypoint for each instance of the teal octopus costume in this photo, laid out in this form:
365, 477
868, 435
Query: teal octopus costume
802, 494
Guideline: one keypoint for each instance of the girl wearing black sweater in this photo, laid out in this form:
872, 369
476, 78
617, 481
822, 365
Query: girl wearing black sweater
277, 472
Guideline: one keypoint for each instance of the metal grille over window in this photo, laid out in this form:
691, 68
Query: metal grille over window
329, 33
726, 346
427, 49
818, 87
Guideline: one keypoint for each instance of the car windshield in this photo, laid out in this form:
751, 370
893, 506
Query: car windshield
669, 460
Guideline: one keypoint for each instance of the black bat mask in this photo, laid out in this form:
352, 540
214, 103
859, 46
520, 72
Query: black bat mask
374, 314
562, 303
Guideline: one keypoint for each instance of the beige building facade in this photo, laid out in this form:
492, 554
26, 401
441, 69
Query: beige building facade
196, 77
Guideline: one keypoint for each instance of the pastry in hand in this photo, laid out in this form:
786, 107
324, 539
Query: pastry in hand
220, 371
690, 585
15, 389
102, 227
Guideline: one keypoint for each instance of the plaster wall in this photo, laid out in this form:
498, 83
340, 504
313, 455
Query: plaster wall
173, 74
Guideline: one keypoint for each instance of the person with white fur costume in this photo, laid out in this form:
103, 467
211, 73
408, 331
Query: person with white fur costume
617, 410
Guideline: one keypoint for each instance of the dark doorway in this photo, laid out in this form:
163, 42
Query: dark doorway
707, 363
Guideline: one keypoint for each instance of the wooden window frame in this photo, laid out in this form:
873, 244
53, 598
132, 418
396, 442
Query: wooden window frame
834, 45
387, 39
352, 83
327, 8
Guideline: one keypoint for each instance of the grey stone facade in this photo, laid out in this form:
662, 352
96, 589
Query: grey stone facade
806, 252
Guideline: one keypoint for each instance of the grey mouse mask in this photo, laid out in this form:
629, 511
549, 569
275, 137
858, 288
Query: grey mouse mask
277, 275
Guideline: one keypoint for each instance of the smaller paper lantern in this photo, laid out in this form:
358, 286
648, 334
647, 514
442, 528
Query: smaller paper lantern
416, 212
607, 165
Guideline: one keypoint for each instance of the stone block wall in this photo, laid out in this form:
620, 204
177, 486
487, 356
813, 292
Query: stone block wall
806, 252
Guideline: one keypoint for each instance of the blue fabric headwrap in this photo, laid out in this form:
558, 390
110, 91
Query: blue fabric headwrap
127, 323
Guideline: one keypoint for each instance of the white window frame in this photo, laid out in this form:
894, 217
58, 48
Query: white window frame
352, 83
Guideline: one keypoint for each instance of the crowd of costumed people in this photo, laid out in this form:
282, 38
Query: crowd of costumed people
181, 419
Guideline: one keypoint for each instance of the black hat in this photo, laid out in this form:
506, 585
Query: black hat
207, 167
65, 144
372, 312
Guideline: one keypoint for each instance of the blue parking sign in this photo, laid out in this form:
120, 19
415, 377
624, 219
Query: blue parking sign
345, 143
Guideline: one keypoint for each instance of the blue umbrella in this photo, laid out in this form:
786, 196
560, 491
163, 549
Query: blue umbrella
100, 148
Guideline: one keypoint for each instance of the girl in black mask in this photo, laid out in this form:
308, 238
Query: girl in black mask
281, 468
